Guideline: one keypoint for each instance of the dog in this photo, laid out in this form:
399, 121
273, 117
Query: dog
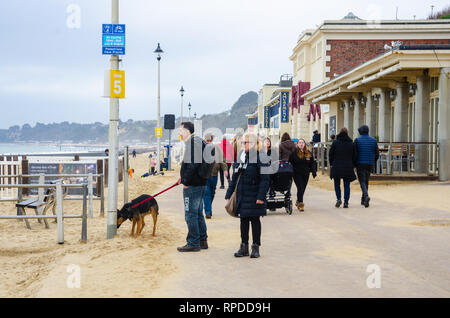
136, 210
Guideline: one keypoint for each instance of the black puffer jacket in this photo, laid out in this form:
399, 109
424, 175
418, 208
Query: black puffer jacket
303, 166
343, 158
192, 160
253, 186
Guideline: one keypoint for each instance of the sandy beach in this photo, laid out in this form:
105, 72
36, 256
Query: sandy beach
34, 265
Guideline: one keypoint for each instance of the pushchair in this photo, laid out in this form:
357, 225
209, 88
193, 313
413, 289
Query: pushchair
279, 195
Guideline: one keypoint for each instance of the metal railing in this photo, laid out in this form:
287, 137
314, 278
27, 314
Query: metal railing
59, 186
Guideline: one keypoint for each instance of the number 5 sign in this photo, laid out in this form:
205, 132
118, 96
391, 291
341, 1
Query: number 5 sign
117, 84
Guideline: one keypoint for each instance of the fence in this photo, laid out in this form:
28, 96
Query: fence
9, 168
19, 178
59, 208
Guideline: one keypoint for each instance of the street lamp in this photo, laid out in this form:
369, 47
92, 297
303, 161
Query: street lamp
158, 52
189, 106
181, 113
195, 115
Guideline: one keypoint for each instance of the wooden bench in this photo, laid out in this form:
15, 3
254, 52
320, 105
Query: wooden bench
39, 206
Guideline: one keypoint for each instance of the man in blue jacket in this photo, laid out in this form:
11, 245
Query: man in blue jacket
367, 153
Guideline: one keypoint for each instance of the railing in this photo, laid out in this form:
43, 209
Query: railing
393, 156
90, 180
59, 186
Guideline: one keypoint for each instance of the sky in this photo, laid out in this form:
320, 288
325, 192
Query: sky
52, 67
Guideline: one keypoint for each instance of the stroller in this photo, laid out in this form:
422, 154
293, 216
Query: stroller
279, 195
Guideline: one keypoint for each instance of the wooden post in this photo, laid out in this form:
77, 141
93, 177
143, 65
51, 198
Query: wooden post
125, 175
25, 171
59, 212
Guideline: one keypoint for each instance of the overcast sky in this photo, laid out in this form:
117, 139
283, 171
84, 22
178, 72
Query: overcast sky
51, 70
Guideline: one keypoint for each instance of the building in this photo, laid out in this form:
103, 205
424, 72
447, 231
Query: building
338, 47
272, 117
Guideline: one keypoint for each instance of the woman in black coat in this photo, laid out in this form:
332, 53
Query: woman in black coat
250, 194
303, 163
343, 158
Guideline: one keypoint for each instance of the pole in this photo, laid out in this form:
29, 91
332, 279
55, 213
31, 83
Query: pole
113, 171
158, 158
169, 153
90, 195
84, 216
125, 176
59, 212
181, 113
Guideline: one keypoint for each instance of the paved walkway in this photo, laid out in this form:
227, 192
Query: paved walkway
324, 252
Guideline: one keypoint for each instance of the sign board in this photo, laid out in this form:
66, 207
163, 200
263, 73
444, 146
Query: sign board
266, 116
284, 105
117, 84
113, 39
332, 125
158, 131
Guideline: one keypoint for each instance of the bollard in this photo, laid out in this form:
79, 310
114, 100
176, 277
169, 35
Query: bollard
59, 212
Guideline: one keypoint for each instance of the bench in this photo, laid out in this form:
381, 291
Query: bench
39, 206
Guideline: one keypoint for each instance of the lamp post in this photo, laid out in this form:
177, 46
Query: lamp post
181, 112
189, 106
195, 116
158, 53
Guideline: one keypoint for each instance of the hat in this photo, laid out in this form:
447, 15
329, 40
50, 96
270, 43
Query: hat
209, 136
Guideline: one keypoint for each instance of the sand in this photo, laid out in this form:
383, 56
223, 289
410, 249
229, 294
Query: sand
34, 265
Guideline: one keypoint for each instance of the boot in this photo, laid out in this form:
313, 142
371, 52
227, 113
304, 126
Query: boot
338, 203
243, 251
255, 251
301, 207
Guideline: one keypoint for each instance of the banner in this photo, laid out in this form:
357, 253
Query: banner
284, 107
266, 116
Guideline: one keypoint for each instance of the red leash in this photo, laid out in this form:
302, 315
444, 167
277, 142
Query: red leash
148, 199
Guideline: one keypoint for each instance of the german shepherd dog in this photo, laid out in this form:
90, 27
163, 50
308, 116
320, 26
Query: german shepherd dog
136, 210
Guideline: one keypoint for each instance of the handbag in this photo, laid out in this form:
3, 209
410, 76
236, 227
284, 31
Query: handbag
230, 207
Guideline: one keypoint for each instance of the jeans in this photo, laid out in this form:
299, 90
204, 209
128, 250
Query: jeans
210, 192
363, 172
193, 210
301, 181
337, 189
256, 229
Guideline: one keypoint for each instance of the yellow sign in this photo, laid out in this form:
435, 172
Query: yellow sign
158, 131
117, 84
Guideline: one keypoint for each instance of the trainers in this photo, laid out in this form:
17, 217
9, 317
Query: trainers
222, 187
204, 245
208, 216
345, 205
188, 248
338, 203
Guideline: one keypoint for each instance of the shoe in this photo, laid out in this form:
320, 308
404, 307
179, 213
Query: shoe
338, 203
301, 207
203, 245
366, 202
243, 251
345, 205
188, 248
208, 216
362, 201
255, 251
222, 187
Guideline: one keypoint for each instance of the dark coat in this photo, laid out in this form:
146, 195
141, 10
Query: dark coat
252, 187
286, 148
192, 161
303, 166
343, 158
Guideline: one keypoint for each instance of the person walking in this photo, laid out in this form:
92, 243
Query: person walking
342, 161
227, 150
211, 183
134, 153
194, 189
286, 148
304, 164
250, 195
367, 154
152, 165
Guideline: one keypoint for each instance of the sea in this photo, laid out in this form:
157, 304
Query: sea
30, 148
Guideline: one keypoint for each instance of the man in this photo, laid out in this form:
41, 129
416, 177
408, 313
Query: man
211, 183
227, 150
194, 189
367, 153
316, 137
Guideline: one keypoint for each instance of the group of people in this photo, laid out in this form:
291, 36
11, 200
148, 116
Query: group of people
251, 182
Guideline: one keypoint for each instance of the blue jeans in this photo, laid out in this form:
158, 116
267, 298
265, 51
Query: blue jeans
337, 189
193, 213
210, 192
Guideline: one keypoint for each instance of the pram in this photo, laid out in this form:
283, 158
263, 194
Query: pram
279, 195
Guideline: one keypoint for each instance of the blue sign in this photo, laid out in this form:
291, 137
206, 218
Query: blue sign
266, 116
113, 39
284, 102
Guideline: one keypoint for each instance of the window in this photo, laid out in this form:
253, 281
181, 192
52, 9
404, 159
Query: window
434, 84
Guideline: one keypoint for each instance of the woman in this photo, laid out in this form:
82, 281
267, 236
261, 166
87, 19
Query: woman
250, 194
343, 158
287, 147
303, 163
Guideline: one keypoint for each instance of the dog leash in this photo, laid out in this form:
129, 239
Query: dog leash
152, 197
